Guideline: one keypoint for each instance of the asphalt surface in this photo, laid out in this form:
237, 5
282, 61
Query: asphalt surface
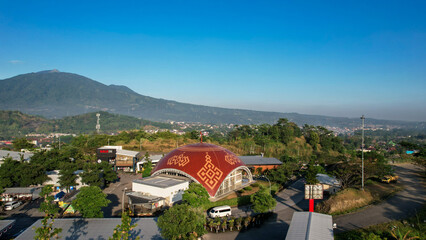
403, 204
288, 201
115, 194
25, 215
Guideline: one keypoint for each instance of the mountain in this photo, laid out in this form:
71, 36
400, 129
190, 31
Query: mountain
15, 123
55, 94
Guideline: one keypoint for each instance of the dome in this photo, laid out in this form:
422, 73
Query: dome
207, 164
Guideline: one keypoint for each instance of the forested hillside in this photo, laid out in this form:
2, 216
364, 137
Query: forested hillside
16, 124
55, 94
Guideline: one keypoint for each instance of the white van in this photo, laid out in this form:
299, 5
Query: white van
221, 211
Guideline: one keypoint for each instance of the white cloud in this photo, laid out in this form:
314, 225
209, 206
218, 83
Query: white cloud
16, 61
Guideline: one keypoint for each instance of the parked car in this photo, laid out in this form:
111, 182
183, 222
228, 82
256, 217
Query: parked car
11, 205
221, 211
389, 179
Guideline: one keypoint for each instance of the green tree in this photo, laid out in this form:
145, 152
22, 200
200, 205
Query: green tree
123, 231
21, 143
9, 173
196, 195
348, 174
30, 174
313, 170
47, 231
92, 175
147, 167
90, 201
262, 201
107, 172
313, 139
283, 173
181, 222
67, 177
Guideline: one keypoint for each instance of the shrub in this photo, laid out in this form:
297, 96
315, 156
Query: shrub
248, 188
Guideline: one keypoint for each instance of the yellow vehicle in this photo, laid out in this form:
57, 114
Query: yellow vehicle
389, 179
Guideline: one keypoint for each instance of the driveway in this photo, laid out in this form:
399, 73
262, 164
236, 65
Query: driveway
25, 215
115, 193
403, 204
288, 201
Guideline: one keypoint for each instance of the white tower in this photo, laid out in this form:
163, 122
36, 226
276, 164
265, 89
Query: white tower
98, 126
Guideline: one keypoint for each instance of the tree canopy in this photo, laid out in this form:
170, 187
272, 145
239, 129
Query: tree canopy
89, 202
196, 195
262, 201
47, 231
181, 222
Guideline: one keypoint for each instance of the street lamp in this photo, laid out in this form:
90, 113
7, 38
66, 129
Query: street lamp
270, 189
362, 154
122, 205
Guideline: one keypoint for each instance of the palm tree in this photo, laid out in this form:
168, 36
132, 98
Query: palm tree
211, 225
217, 224
247, 221
231, 223
223, 225
238, 222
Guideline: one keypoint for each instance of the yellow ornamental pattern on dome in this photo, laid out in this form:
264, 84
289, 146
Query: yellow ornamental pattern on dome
209, 173
180, 160
231, 159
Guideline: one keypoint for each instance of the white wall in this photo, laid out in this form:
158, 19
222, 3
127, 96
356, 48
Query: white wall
54, 176
171, 194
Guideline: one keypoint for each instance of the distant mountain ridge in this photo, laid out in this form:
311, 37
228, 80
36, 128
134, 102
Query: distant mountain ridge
15, 123
55, 94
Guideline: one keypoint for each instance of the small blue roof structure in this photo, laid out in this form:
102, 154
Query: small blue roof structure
310, 226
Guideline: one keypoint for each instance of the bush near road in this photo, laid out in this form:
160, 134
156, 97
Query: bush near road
411, 228
351, 199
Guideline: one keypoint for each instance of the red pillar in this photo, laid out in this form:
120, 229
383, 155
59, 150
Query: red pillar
311, 205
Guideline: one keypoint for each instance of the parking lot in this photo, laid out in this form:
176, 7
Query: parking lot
115, 193
25, 215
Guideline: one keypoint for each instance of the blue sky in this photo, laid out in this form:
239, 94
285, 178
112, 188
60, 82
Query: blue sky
336, 58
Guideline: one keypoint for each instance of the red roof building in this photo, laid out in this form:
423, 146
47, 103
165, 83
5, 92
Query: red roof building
219, 170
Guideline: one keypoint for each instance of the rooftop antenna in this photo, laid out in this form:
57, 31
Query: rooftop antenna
98, 126
201, 137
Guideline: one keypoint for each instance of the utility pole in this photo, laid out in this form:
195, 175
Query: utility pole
362, 154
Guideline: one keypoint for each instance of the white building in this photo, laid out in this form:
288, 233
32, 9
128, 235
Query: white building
329, 184
156, 191
154, 159
15, 156
54, 179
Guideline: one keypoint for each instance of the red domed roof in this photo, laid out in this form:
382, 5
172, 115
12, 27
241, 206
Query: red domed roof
207, 163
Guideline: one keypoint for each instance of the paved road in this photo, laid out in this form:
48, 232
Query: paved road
25, 215
403, 204
115, 193
288, 201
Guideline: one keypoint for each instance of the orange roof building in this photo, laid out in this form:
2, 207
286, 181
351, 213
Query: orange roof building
219, 170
